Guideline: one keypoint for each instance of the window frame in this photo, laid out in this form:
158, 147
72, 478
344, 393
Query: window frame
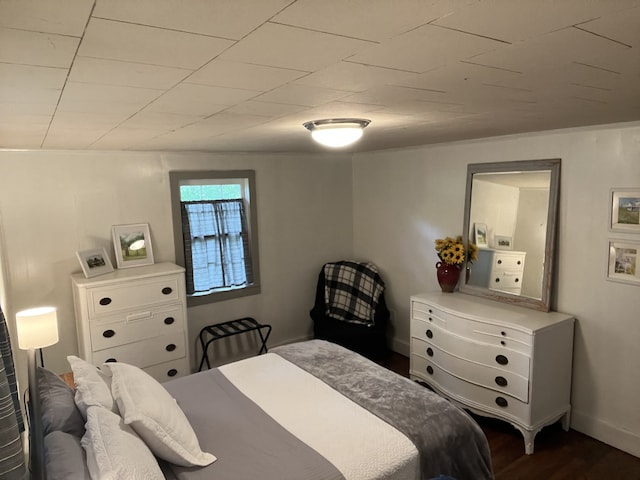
176, 178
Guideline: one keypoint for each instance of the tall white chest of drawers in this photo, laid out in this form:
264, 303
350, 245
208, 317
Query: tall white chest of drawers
494, 359
135, 316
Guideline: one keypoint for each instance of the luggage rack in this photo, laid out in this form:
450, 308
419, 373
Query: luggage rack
229, 329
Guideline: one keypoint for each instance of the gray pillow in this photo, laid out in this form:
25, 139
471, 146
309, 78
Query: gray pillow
64, 457
59, 410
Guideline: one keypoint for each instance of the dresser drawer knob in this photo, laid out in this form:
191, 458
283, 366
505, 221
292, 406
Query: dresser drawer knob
519, 262
502, 360
430, 370
105, 301
517, 280
502, 402
504, 334
501, 381
503, 343
430, 319
430, 311
169, 320
108, 333
499, 262
167, 290
497, 280
172, 373
430, 351
170, 348
110, 360
429, 334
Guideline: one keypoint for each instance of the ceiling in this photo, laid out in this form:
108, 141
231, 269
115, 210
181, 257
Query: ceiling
243, 75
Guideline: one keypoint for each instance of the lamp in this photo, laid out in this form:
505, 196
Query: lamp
336, 132
36, 328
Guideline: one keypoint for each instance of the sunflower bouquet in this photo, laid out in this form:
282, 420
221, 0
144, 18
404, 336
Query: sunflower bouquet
451, 250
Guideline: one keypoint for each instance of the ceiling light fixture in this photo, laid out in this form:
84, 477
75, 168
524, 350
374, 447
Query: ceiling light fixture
336, 132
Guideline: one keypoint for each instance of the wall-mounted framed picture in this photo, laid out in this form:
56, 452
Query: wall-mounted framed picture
502, 242
623, 261
480, 234
94, 262
625, 210
132, 244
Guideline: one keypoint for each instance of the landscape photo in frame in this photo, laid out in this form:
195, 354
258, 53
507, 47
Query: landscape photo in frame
132, 245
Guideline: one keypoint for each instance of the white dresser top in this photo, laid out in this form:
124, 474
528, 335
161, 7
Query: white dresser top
482, 309
125, 273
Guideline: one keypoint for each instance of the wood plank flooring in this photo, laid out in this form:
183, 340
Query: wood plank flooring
559, 455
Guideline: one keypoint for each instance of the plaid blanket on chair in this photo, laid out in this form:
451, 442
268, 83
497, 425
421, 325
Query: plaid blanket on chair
352, 291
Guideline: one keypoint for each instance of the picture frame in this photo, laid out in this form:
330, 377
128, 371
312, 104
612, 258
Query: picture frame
623, 264
480, 234
625, 210
94, 262
503, 242
132, 245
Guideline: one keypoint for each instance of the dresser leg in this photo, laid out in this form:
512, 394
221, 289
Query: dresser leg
529, 438
566, 420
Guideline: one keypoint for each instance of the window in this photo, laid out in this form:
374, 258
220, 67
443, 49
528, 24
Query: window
215, 233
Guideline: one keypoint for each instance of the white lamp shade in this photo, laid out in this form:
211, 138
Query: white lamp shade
37, 327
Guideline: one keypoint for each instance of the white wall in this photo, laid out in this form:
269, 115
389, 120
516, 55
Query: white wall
405, 199
54, 203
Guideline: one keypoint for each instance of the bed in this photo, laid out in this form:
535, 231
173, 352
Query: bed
310, 410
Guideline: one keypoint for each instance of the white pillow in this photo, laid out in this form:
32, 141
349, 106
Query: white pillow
114, 451
93, 387
155, 416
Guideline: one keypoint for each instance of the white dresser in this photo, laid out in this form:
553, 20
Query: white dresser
495, 359
137, 316
500, 270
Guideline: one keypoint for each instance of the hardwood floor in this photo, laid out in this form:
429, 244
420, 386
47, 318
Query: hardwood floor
559, 455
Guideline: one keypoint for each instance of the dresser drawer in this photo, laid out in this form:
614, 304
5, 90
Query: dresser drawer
129, 327
163, 372
463, 347
505, 280
132, 295
496, 379
430, 314
487, 400
491, 333
146, 352
508, 261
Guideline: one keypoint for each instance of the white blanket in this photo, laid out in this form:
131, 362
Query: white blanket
369, 449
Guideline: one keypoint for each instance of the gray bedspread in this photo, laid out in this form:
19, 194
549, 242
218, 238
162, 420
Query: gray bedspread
247, 442
450, 442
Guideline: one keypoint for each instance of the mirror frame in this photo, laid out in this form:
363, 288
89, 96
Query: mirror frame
553, 165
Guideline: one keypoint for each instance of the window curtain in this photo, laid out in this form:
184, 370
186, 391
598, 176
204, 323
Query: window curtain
216, 240
11, 422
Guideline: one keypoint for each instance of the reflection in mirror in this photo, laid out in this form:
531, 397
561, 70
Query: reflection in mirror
510, 213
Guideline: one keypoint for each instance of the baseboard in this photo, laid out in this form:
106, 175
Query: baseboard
400, 346
605, 432
291, 340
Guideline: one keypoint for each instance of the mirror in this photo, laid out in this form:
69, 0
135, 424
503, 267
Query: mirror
510, 214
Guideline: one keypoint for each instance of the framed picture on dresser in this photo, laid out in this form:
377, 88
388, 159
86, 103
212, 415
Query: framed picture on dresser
623, 261
94, 262
480, 234
503, 242
132, 245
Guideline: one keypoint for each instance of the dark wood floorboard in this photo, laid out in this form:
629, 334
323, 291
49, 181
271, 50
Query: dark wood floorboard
558, 455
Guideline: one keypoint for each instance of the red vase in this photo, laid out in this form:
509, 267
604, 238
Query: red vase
448, 276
